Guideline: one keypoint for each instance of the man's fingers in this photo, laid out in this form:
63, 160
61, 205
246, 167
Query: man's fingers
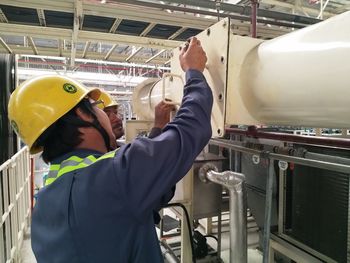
194, 42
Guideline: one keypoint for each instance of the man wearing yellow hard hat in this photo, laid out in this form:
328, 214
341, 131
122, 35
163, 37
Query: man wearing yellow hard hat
99, 204
110, 107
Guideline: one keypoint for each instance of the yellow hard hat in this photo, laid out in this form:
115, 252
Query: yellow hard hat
107, 99
39, 102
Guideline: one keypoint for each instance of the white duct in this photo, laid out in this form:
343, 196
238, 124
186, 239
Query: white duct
302, 78
299, 79
151, 91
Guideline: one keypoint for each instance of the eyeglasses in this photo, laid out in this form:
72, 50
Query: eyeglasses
97, 103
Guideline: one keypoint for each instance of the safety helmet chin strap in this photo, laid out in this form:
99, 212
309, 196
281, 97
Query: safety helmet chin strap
96, 124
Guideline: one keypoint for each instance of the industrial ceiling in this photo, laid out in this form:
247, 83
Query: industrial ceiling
135, 37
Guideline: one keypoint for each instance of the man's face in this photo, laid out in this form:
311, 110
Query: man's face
116, 121
104, 121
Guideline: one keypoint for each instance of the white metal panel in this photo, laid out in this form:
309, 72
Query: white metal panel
215, 43
236, 104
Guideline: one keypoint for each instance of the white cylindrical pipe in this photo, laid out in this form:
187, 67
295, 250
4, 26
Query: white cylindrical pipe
151, 91
302, 78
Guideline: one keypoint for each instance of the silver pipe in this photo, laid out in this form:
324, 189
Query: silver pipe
297, 160
312, 163
230, 145
302, 152
219, 233
235, 183
268, 211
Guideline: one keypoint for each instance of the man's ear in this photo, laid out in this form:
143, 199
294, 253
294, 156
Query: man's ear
82, 115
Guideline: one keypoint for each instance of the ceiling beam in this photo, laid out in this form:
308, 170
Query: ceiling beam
109, 53
35, 31
115, 25
154, 56
53, 5
32, 45
128, 40
322, 8
241, 12
83, 36
310, 11
3, 43
3, 18
41, 17
133, 54
53, 52
60, 47
177, 33
147, 29
81, 22
86, 47
78, 16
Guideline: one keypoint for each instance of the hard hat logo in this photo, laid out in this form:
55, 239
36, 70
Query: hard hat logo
69, 88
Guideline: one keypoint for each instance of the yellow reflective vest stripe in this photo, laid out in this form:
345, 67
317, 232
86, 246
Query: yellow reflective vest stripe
73, 163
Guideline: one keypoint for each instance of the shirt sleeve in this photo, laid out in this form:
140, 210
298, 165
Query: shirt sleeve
147, 168
155, 131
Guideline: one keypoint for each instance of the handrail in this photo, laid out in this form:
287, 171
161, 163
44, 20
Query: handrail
15, 205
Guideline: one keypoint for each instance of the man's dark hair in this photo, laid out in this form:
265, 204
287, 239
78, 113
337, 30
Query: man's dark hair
63, 135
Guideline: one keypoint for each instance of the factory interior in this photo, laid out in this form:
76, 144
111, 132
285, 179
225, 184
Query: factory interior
272, 184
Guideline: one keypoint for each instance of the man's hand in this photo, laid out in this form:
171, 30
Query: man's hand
162, 114
193, 56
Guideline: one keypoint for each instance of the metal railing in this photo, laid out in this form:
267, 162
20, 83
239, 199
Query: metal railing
15, 205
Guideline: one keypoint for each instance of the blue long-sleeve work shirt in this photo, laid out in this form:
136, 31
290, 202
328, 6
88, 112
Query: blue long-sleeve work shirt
103, 212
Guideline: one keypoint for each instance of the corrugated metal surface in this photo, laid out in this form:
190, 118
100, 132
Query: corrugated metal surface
318, 205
